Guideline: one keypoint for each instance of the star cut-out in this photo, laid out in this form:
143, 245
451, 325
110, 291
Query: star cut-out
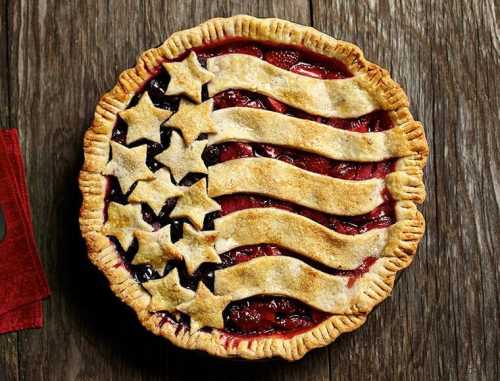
156, 249
194, 204
144, 120
155, 192
193, 119
187, 77
182, 159
122, 221
205, 309
167, 292
197, 248
128, 165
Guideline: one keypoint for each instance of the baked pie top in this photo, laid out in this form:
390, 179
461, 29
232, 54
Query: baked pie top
249, 188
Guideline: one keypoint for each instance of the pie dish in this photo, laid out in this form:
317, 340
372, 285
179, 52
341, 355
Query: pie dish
250, 188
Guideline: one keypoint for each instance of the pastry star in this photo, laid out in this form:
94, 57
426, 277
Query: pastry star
205, 309
155, 192
195, 203
197, 248
122, 221
181, 159
167, 292
156, 249
193, 119
144, 120
128, 165
187, 77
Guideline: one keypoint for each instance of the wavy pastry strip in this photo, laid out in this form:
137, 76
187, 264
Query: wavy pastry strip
263, 126
288, 277
340, 98
300, 235
287, 182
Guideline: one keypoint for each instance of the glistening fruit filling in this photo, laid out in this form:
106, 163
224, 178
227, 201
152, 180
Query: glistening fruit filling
311, 162
263, 315
376, 121
380, 217
259, 315
291, 58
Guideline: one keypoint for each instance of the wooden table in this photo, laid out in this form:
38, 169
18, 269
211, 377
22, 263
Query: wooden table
442, 322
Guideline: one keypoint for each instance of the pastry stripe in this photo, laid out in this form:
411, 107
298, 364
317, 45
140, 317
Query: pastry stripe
300, 235
263, 126
287, 182
340, 98
289, 277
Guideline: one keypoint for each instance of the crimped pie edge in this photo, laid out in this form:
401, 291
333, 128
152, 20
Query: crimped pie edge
400, 248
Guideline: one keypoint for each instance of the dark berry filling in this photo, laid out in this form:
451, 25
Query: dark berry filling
260, 315
311, 162
141, 273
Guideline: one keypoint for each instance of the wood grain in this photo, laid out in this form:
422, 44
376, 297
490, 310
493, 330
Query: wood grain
58, 57
8, 343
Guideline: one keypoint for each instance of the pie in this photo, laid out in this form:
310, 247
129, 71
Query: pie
250, 188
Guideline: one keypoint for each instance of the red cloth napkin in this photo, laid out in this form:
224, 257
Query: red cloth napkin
22, 282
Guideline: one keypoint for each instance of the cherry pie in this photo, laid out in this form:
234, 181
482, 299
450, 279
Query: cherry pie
249, 188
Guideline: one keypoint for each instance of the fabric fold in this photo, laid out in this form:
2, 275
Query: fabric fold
22, 282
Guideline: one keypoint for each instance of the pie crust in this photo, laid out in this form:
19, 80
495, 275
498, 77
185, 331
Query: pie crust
292, 231
261, 126
370, 88
341, 98
284, 181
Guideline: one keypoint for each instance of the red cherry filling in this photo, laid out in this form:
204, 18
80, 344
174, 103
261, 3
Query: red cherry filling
246, 253
239, 48
358, 273
264, 315
309, 70
376, 121
275, 105
270, 314
238, 98
380, 217
288, 58
283, 58
305, 160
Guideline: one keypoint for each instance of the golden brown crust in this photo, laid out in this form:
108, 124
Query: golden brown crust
299, 234
271, 276
284, 181
262, 126
339, 98
192, 119
182, 159
401, 246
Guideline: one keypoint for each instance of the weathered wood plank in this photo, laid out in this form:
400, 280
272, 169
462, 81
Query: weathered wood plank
9, 366
8, 342
437, 324
441, 321
65, 55
4, 66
